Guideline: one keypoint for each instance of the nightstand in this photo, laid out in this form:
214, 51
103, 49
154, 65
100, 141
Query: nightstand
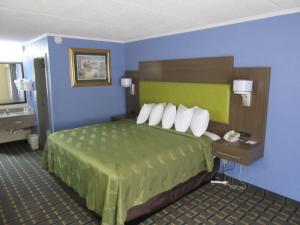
238, 152
121, 117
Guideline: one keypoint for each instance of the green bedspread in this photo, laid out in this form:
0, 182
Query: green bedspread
117, 165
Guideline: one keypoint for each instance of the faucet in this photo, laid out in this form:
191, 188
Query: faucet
5, 112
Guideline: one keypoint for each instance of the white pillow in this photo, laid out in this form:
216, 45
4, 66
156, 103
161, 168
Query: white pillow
156, 114
169, 115
200, 121
183, 118
144, 113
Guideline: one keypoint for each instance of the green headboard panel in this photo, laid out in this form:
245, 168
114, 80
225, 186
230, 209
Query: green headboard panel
213, 97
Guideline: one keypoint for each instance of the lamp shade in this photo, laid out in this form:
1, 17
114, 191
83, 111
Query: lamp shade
23, 84
242, 86
27, 85
126, 82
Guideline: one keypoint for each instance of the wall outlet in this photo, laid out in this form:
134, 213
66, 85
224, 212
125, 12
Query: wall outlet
225, 162
245, 134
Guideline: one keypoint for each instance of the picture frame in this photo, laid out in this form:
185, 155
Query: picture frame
90, 67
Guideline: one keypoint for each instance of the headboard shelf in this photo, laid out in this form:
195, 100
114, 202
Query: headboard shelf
200, 70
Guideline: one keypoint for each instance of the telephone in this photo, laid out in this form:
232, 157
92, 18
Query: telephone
232, 136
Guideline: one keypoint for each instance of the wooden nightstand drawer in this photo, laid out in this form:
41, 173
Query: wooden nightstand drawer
238, 152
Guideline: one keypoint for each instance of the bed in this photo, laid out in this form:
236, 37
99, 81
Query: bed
125, 170
122, 168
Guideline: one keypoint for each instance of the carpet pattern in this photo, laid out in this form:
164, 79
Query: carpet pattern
30, 195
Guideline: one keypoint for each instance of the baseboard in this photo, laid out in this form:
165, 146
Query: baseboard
262, 192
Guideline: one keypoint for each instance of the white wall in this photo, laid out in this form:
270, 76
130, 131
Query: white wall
11, 51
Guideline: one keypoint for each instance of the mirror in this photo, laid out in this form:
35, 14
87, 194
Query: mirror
9, 93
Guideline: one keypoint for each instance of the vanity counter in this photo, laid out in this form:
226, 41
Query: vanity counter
15, 125
4, 115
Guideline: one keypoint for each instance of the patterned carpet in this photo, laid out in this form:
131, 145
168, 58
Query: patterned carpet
29, 195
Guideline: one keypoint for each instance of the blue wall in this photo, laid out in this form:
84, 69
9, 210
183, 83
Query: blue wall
273, 42
73, 107
270, 42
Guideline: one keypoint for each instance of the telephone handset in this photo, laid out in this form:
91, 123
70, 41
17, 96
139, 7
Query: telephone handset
232, 136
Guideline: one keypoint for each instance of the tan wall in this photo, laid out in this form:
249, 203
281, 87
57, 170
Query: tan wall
4, 91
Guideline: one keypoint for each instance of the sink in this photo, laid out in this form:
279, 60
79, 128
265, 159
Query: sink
18, 113
23, 113
4, 113
7, 114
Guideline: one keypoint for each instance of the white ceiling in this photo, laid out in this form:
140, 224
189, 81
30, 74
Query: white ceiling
127, 20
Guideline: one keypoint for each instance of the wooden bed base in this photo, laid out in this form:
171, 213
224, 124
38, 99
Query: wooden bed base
166, 198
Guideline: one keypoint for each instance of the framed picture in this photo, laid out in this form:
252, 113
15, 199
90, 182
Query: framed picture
89, 67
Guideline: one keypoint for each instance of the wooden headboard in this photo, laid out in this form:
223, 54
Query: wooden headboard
219, 70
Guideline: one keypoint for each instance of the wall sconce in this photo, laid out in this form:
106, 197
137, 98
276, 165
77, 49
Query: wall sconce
23, 84
127, 83
243, 88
